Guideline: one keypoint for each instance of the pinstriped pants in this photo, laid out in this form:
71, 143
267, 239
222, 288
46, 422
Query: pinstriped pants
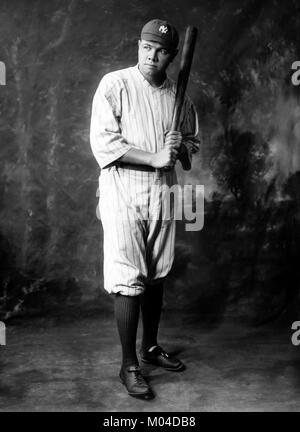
139, 235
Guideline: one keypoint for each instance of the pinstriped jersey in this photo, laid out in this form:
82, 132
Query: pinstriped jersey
128, 112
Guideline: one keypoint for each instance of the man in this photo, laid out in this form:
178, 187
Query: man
132, 140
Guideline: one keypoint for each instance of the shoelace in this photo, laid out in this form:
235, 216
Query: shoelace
160, 351
138, 378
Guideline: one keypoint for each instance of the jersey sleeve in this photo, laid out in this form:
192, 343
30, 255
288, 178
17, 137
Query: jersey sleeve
190, 128
106, 139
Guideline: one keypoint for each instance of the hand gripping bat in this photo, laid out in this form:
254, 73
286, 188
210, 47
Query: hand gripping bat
183, 76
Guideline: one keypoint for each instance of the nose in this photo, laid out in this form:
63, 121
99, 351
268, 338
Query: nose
152, 55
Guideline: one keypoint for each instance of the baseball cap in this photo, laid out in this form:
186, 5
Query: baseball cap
160, 31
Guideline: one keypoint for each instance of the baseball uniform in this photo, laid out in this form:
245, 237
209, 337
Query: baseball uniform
139, 239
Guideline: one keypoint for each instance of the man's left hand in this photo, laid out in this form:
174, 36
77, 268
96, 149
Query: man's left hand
173, 139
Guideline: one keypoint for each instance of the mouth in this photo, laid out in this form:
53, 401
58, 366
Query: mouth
150, 66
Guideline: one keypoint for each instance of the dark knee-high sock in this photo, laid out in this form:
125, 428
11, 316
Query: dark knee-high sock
127, 310
151, 304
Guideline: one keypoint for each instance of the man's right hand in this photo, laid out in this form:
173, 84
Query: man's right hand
165, 158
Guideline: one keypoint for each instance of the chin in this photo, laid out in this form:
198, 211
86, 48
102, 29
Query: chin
149, 71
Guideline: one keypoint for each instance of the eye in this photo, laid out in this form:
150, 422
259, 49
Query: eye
164, 52
147, 47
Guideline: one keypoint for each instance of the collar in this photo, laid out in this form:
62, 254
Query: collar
164, 86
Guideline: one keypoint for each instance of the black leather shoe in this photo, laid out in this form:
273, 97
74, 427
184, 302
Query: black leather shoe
159, 357
135, 383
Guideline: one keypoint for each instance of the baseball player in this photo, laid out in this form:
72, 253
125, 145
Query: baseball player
132, 141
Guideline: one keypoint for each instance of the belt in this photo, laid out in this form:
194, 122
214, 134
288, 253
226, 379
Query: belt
136, 167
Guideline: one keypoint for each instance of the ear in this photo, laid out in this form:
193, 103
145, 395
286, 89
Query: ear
174, 54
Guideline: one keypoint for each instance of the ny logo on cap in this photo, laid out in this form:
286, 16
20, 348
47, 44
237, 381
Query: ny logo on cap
163, 29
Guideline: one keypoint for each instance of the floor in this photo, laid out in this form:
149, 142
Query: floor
68, 364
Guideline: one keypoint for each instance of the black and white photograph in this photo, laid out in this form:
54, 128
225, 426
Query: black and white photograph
149, 208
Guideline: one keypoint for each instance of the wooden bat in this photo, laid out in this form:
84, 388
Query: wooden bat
184, 72
183, 77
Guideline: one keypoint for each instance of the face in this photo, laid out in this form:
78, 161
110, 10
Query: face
154, 58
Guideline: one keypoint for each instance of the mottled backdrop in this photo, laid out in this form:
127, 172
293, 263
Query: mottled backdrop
244, 262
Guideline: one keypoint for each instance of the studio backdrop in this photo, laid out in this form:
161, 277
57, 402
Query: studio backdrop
244, 261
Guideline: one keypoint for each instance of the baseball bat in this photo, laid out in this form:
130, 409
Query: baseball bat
182, 80
184, 72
